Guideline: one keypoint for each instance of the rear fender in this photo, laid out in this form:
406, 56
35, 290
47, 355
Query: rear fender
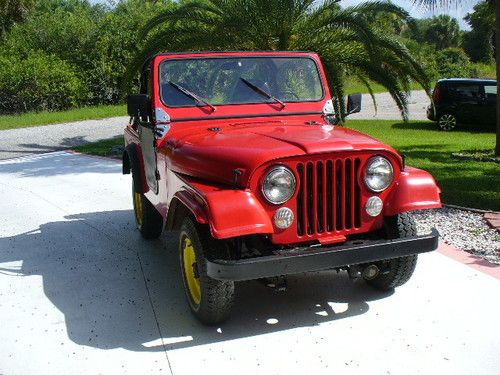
415, 190
133, 162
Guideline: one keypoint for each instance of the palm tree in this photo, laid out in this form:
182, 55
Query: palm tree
444, 32
496, 3
348, 43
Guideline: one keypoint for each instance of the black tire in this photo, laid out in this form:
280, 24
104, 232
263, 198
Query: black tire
447, 121
147, 219
395, 272
210, 300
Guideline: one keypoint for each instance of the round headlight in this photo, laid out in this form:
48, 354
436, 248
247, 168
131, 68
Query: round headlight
279, 185
378, 174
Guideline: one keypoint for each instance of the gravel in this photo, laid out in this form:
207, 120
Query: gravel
462, 229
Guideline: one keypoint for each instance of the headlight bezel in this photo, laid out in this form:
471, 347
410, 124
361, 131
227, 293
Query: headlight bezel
273, 170
369, 165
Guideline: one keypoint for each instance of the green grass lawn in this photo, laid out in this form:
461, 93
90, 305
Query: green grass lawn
465, 183
101, 148
44, 118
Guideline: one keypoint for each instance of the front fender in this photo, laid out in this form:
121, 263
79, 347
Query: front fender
235, 213
416, 189
229, 213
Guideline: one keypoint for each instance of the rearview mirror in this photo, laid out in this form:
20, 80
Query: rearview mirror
139, 105
353, 103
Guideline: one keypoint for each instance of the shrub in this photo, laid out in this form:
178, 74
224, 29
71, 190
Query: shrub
453, 62
485, 70
426, 56
37, 83
96, 41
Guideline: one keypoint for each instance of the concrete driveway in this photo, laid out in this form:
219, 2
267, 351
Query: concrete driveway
81, 293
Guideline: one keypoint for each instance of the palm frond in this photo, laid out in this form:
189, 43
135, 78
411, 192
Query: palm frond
368, 86
434, 4
349, 44
378, 7
191, 11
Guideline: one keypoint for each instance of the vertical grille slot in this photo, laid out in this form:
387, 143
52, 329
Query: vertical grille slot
329, 196
320, 189
311, 204
348, 194
301, 216
340, 195
357, 194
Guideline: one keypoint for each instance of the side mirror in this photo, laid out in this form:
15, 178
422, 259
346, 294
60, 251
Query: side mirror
139, 105
353, 103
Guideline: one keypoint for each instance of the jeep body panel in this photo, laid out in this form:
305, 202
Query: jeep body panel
242, 154
245, 145
213, 162
416, 189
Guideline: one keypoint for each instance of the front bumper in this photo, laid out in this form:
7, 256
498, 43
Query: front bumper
315, 259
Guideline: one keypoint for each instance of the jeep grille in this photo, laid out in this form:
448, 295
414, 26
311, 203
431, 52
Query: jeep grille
329, 196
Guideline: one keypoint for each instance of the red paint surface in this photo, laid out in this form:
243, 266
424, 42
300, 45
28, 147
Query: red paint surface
415, 189
193, 157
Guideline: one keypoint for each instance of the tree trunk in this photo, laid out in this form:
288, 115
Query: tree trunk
497, 53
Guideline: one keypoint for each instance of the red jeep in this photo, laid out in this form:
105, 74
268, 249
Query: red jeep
242, 153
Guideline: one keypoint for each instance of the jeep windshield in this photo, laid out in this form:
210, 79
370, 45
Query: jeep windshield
252, 80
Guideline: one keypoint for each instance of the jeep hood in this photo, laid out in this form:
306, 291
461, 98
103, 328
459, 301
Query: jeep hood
215, 153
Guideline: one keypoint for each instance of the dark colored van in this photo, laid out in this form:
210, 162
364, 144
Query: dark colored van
460, 101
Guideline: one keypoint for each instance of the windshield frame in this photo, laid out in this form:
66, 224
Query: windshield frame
270, 56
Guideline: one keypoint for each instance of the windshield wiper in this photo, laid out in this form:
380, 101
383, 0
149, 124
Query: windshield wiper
262, 92
192, 95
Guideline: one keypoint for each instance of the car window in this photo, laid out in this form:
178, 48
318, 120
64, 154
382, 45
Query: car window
490, 91
466, 91
234, 80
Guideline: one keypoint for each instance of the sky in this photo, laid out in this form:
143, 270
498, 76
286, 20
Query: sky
418, 12
415, 11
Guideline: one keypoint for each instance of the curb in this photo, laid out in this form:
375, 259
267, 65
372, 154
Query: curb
470, 260
108, 158
479, 211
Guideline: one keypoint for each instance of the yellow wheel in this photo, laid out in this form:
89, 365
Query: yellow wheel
148, 220
138, 209
210, 300
191, 271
